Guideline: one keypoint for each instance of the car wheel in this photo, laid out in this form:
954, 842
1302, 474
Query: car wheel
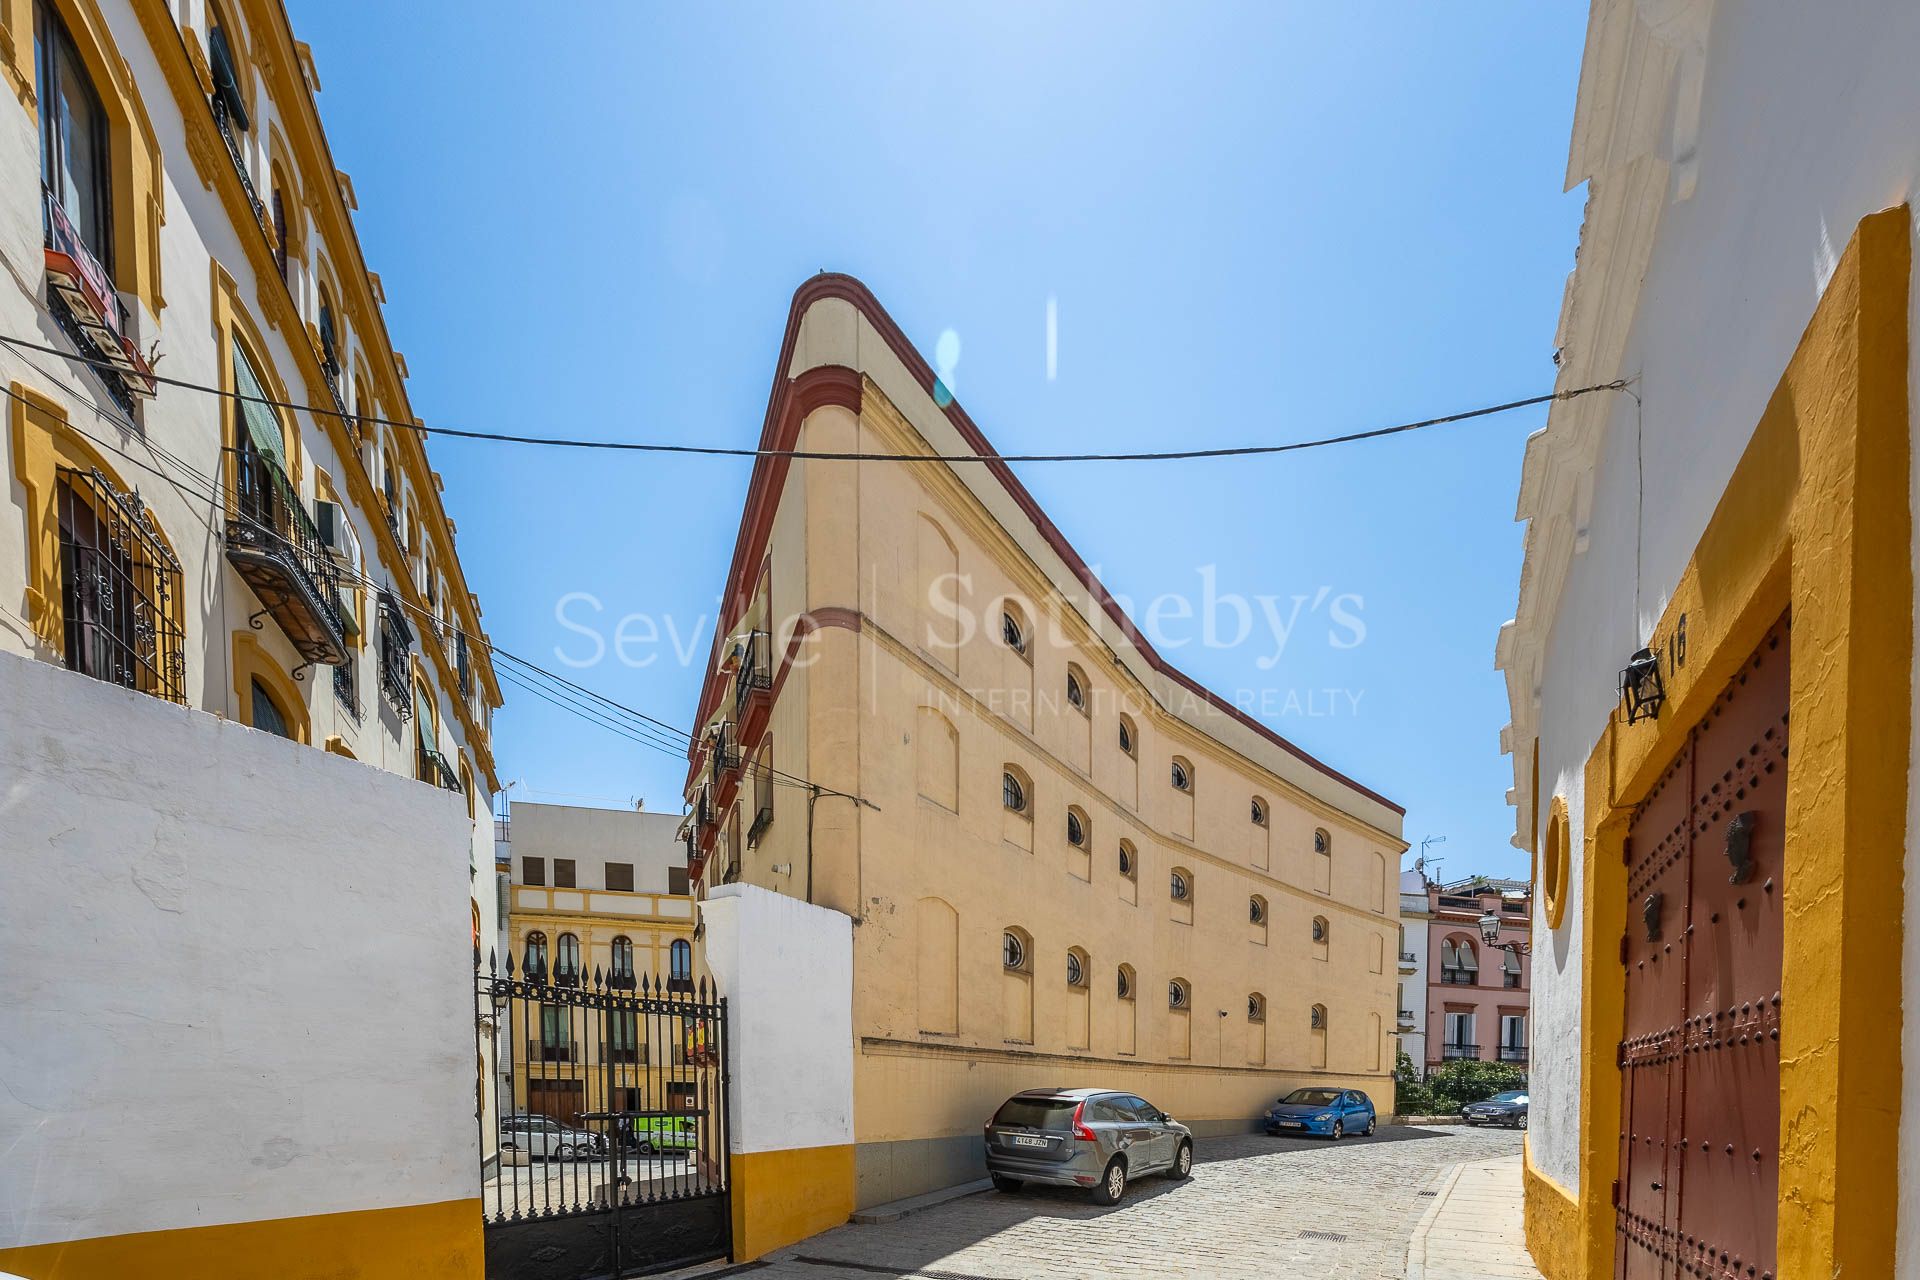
1182, 1163
1339, 1130
1112, 1184
1521, 1123
1006, 1185
1373, 1122
646, 1146
562, 1152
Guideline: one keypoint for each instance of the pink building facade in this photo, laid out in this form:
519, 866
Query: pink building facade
1477, 994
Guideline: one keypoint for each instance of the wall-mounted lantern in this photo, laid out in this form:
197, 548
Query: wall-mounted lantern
1490, 934
1641, 687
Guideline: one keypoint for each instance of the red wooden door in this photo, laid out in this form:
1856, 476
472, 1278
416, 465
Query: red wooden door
1700, 1061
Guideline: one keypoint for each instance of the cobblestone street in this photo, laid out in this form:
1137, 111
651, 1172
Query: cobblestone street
1256, 1206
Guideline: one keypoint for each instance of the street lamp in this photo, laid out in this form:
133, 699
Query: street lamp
1490, 934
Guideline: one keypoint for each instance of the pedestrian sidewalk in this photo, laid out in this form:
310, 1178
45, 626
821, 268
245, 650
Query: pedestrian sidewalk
1474, 1231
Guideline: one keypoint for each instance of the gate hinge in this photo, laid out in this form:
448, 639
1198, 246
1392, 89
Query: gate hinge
1616, 1193
1623, 951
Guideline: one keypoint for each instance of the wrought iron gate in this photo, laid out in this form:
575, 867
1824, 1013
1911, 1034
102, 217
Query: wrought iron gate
1700, 1062
604, 1136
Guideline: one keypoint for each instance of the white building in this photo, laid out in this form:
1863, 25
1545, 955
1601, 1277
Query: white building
1415, 915
1720, 936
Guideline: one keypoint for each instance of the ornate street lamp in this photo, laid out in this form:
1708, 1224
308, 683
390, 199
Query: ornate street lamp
1641, 687
1490, 934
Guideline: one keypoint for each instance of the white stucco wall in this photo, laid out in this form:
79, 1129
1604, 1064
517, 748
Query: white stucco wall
1806, 126
786, 970
238, 983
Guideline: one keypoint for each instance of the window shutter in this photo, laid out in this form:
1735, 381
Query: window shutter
1512, 962
1447, 956
226, 85
1467, 959
262, 424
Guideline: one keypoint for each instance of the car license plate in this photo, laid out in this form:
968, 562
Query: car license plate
1291, 1124
1020, 1141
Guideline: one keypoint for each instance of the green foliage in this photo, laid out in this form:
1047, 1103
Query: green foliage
1410, 1096
1451, 1086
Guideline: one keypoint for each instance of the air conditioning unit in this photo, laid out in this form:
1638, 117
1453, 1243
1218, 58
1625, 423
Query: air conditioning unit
331, 518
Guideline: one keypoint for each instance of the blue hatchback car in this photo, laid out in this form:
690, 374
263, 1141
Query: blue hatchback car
1330, 1113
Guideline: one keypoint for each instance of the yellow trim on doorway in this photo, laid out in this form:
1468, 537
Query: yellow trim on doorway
413, 1242
781, 1197
1553, 1221
1815, 519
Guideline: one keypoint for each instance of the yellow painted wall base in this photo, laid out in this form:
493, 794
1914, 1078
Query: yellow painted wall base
1553, 1223
780, 1197
416, 1242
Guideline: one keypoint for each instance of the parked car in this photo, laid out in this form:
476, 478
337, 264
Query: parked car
1099, 1139
1509, 1108
1331, 1113
664, 1133
547, 1139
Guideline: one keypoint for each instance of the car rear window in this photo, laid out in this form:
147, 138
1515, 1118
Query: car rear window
1054, 1115
1311, 1097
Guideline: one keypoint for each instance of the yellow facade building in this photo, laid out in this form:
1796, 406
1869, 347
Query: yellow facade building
1066, 862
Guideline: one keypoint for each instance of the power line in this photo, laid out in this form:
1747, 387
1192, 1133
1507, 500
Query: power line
720, 451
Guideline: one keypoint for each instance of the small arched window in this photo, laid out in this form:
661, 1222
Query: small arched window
1124, 982
1317, 1019
267, 715
1013, 791
680, 960
1127, 736
1259, 812
329, 337
1076, 828
1182, 885
1257, 909
1076, 689
1129, 860
1013, 951
1320, 929
1256, 1007
1179, 994
535, 956
1013, 632
621, 966
1076, 967
1322, 842
566, 959
1182, 775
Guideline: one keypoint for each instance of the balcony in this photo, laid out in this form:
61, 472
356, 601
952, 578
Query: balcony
223, 120
1405, 1020
1458, 902
83, 299
755, 675
396, 644
723, 754
540, 1051
431, 766
277, 548
1459, 977
1408, 962
1513, 1053
1459, 1052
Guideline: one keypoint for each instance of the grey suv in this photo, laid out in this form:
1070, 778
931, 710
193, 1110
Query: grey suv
1092, 1138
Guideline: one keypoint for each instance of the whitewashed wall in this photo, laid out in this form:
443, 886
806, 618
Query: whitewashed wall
786, 969
237, 972
1807, 124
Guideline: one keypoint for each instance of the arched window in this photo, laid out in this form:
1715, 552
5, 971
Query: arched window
1013, 630
1459, 962
1129, 860
566, 960
1256, 1007
1179, 994
1322, 842
1320, 930
1182, 885
680, 960
74, 145
1317, 1019
267, 715
535, 956
1076, 688
1259, 812
1182, 775
1013, 950
1127, 735
1257, 909
1124, 982
1013, 791
1077, 967
621, 965
1076, 828
329, 339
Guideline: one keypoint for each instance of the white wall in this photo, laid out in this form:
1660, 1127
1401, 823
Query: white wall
221, 1003
786, 969
1807, 125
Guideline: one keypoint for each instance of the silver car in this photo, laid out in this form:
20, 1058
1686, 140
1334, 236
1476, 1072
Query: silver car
1092, 1138
547, 1139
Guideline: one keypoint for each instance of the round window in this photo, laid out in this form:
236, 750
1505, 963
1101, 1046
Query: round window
1126, 737
1126, 861
1554, 862
1076, 829
1075, 694
1076, 974
1181, 781
1011, 632
1012, 794
1259, 814
1180, 889
1256, 911
1176, 994
1126, 985
1013, 952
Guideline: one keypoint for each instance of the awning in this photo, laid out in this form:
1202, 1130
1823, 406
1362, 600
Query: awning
262, 424
1512, 962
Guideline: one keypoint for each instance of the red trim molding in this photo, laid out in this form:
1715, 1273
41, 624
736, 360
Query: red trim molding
793, 399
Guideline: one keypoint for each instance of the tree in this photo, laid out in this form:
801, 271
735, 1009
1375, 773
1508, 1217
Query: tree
1453, 1085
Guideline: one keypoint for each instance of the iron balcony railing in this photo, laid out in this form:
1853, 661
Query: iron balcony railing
723, 753
396, 643
274, 543
1513, 1053
1406, 957
431, 766
1459, 902
1456, 1052
346, 688
1406, 1017
756, 669
224, 123
1459, 977
539, 1051
762, 800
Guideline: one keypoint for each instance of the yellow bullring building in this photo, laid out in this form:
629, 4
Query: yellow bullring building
1065, 862
1710, 666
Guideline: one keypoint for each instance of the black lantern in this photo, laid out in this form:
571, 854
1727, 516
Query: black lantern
1490, 934
1640, 686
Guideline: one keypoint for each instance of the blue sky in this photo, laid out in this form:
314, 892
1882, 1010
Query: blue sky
1260, 223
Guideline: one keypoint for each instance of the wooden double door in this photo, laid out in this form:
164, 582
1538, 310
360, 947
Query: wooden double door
1700, 1057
